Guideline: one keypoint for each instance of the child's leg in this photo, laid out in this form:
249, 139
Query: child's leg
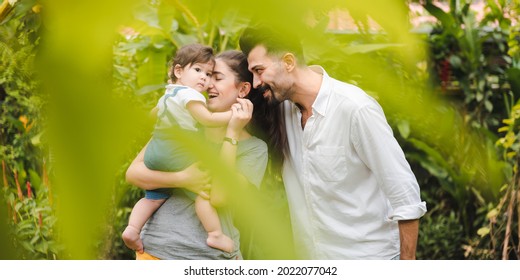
142, 211
209, 218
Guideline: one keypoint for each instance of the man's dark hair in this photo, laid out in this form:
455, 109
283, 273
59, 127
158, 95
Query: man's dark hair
277, 41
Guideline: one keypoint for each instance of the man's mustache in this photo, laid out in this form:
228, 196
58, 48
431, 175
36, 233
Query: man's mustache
263, 88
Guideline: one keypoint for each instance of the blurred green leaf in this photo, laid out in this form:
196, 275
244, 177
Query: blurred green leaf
149, 88
404, 128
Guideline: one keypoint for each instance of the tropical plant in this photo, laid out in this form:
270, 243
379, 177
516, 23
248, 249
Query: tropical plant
470, 57
25, 165
97, 99
472, 66
500, 235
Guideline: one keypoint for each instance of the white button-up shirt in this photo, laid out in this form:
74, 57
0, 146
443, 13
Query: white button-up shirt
346, 177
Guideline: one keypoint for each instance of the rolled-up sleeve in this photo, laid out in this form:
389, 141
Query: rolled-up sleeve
377, 147
409, 212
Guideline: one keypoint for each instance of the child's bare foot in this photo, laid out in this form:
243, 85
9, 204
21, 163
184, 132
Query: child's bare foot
220, 241
132, 239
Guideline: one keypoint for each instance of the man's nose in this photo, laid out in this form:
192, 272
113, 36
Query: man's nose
256, 81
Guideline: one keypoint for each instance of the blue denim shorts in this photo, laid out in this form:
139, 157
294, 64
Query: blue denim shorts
157, 194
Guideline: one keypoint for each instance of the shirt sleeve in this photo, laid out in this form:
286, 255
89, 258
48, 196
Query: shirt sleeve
375, 144
189, 94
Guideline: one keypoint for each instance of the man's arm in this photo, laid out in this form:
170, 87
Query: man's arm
408, 234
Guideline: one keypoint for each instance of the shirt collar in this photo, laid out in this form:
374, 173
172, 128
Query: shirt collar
322, 99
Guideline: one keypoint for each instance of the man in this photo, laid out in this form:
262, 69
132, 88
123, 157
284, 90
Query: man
351, 192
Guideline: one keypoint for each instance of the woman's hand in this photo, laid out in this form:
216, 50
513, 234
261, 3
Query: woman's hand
193, 178
196, 180
242, 111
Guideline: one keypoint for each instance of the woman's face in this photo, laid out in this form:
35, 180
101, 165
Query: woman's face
223, 89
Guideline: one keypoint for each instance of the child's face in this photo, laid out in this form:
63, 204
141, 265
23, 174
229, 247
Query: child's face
196, 76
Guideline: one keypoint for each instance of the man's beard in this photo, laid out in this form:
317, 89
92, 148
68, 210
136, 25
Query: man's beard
272, 101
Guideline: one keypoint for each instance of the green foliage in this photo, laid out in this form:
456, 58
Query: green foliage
19, 96
157, 29
500, 231
32, 219
440, 238
26, 190
473, 67
101, 96
125, 196
470, 57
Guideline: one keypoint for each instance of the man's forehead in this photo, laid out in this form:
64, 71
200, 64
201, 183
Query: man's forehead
257, 55
259, 51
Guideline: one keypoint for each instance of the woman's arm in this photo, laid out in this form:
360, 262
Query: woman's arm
192, 178
242, 113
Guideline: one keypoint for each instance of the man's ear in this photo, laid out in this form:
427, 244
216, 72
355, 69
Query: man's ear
289, 61
177, 71
244, 89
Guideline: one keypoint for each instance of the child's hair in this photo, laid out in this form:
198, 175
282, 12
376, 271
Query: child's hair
190, 54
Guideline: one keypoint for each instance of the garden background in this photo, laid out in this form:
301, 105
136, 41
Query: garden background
79, 78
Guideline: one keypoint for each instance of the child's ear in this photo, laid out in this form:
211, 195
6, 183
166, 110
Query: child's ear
244, 89
177, 71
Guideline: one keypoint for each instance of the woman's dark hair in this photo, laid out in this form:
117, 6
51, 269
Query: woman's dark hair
267, 121
237, 62
190, 54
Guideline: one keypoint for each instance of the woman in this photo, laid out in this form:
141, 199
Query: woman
174, 231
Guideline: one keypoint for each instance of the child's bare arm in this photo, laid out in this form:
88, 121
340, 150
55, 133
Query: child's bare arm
207, 118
